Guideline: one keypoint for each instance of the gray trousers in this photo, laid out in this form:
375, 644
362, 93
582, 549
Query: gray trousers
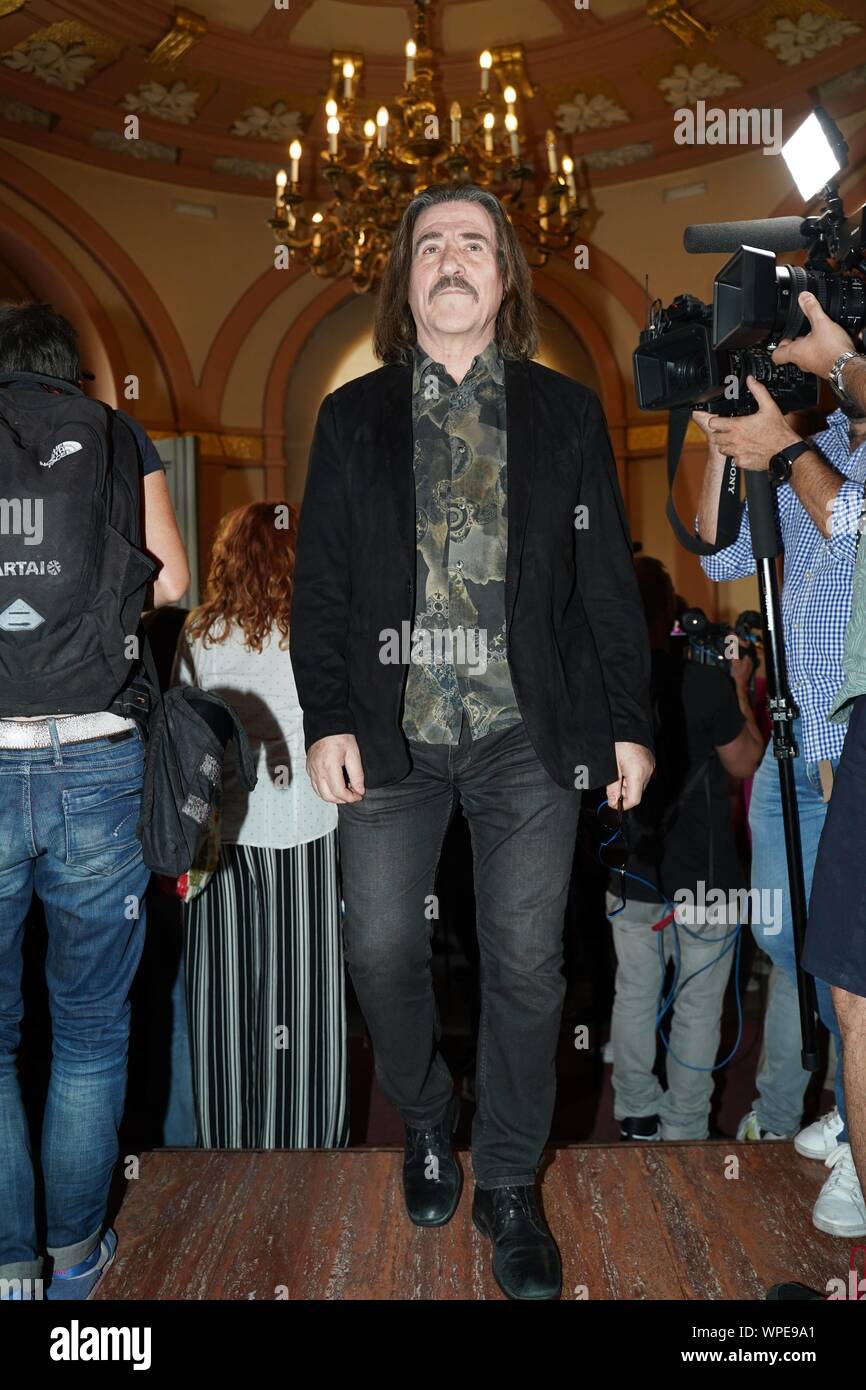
694, 1030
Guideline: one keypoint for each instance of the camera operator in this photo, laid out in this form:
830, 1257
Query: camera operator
705, 730
817, 500
836, 934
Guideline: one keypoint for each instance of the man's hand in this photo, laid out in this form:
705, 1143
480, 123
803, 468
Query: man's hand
325, 762
701, 419
742, 669
817, 350
635, 764
751, 440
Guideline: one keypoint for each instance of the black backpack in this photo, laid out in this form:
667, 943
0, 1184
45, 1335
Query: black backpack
70, 620
72, 575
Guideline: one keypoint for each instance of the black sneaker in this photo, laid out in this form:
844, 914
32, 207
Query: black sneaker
640, 1127
781, 1293
432, 1177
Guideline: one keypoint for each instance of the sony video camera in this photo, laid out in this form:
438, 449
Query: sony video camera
694, 354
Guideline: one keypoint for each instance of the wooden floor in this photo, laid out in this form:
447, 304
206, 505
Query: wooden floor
633, 1221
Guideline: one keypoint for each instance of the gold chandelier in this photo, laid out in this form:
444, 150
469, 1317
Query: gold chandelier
375, 168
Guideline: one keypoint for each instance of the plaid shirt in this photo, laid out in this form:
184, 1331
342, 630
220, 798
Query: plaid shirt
816, 595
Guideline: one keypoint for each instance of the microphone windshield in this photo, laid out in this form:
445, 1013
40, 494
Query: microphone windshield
767, 233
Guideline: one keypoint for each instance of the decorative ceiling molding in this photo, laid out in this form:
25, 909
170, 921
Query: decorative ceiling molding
608, 84
187, 30
686, 29
66, 54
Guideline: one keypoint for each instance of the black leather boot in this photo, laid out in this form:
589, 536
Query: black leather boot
432, 1177
526, 1262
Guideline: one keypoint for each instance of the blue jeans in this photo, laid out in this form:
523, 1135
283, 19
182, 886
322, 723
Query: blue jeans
781, 1079
67, 831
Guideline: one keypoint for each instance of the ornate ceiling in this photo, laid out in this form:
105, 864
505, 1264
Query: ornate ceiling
229, 88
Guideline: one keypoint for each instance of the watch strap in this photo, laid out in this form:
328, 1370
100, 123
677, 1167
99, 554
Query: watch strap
792, 452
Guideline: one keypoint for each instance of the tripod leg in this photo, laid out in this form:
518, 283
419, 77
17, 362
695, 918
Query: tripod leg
765, 544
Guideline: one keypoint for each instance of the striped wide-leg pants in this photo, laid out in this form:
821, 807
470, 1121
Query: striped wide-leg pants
266, 997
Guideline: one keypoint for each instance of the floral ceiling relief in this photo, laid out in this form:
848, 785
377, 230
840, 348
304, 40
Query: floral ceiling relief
268, 123
178, 103
793, 40
686, 85
63, 55
584, 112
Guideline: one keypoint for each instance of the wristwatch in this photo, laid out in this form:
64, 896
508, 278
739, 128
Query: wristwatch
781, 463
835, 377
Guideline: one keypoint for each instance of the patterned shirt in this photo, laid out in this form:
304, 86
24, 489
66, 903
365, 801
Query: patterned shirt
816, 595
458, 658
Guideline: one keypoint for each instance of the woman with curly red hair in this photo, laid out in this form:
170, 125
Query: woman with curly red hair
264, 965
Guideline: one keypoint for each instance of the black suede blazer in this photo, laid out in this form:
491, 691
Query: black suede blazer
578, 648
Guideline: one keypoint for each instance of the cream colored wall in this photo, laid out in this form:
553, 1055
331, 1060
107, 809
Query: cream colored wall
199, 267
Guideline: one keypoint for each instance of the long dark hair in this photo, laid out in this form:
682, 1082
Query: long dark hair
516, 329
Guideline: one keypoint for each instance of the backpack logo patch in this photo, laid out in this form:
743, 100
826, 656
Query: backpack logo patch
19, 616
60, 451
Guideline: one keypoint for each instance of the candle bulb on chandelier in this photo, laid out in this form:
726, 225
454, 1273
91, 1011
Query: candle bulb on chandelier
511, 127
488, 132
369, 136
333, 132
551, 152
382, 123
281, 188
568, 170
455, 122
510, 97
486, 62
295, 157
411, 50
348, 74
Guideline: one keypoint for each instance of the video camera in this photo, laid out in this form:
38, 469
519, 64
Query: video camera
694, 354
709, 643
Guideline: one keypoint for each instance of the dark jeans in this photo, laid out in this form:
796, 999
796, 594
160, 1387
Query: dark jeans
523, 828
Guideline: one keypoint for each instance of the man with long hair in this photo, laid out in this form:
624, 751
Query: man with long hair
466, 626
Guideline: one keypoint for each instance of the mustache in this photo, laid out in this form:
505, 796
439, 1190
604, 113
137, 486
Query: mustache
452, 282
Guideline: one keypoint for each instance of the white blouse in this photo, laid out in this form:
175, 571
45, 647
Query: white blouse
282, 810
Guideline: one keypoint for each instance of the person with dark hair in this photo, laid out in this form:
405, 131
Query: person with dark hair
684, 854
467, 624
264, 970
71, 770
34, 338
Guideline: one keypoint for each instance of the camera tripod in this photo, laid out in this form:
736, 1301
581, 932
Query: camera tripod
766, 548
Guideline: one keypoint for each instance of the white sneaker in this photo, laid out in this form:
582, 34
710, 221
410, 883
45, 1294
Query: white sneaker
819, 1140
840, 1209
748, 1128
